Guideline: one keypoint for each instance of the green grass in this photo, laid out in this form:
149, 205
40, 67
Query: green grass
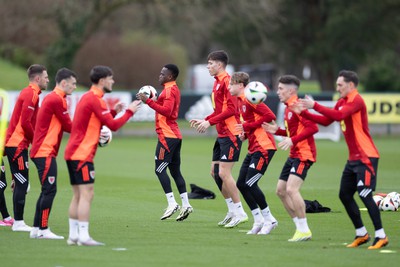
11, 76
129, 202
15, 78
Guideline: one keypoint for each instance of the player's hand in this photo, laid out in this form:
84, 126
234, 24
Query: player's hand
142, 97
270, 127
154, 98
195, 122
119, 107
307, 102
202, 127
239, 127
286, 143
297, 107
242, 136
134, 106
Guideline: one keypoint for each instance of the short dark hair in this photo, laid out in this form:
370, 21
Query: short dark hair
290, 79
34, 70
349, 76
219, 55
99, 72
240, 77
173, 69
63, 74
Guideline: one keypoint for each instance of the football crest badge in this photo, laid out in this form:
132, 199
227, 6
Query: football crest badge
51, 179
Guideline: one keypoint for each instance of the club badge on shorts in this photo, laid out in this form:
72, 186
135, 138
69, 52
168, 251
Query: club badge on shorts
92, 174
51, 179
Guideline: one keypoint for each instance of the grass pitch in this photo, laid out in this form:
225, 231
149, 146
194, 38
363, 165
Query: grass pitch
129, 202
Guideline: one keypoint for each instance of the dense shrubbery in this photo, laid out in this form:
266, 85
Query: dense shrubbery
135, 60
383, 74
18, 55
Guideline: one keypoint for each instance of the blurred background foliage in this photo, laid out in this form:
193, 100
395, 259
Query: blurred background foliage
137, 37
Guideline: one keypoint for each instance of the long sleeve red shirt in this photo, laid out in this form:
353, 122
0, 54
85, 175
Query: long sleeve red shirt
52, 120
351, 111
253, 116
301, 130
225, 115
167, 109
90, 114
22, 123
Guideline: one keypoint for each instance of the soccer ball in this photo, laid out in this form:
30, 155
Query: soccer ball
387, 204
105, 136
149, 90
395, 198
256, 92
378, 199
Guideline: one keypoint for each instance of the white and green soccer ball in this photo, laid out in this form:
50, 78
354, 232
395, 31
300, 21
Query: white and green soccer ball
256, 92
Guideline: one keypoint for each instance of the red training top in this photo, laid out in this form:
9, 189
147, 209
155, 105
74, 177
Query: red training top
52, 120
301, 130
90, 114
225, 115
21, 127
167, 109
253, 116
351, 111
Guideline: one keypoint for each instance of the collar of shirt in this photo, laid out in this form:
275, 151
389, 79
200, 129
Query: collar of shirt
291, 100
169, 84
35, 88
220, 76
97, 90
351, 95
242, 99
59, 92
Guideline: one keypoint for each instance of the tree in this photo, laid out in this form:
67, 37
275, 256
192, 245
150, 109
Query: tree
26, 30
383, 73
337, 34
77, 21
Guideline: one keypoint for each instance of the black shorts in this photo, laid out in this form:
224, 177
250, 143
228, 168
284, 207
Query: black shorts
47, 169
258, 161
225, 150
296, 167
358, 174
80, 173
171, 152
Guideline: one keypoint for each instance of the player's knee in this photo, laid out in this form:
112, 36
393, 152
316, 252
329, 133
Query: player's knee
364, 192
281, 193
161, 167
21, 186
344, 196
88, 196
176, 173
215, 171
50, 192
290, 191
3, 187
223, 174
241, 185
